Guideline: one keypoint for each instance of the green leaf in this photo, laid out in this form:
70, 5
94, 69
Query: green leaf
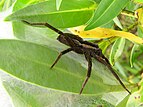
31, 62
138, 1
141, 90
58, 3
22, 31
123, 102
19, 4
24, 94
111, 97
117, 50
121, 69
135, 100
34, 84
140, 31
117, 22
104, 44
68, 15
131, 6
5, 4
30, 33
137, 49
134, 54
105, 12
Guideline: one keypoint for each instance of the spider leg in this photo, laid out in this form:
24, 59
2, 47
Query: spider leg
44, 24
59, 56
103, 60
89, 60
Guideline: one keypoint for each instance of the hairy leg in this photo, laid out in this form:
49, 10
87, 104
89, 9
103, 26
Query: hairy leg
44, 24
106, 63
89, 60
59, 56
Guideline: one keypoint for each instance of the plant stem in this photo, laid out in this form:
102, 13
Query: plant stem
128, 13
130, 27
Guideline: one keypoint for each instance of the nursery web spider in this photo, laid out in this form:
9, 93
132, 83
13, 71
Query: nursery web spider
78, 45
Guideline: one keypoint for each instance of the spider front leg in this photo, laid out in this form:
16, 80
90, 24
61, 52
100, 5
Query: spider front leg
59, 56
44, 24
89, 60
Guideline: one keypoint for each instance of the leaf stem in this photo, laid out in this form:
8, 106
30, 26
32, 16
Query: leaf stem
128, 13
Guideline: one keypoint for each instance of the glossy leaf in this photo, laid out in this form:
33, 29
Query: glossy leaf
117, 50
31, 62
104, 33
63, 18
106, 11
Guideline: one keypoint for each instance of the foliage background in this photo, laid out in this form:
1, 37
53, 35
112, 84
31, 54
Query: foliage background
28, 82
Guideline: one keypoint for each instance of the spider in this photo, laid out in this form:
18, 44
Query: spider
78, 45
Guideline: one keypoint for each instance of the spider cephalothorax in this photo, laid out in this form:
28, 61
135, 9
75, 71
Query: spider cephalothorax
78, 45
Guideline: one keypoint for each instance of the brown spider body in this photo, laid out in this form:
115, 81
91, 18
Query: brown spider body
78, 45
